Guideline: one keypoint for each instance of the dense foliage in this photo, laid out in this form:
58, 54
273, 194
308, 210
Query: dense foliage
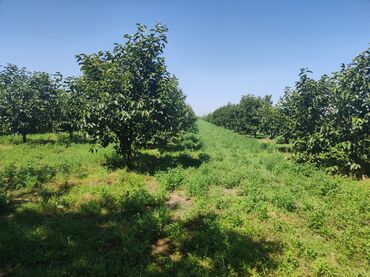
28, 101
125, 97
132, 100
71, 107
326, 120
250, 116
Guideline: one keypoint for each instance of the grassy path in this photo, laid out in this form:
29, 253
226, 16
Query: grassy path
288, 219
231, 206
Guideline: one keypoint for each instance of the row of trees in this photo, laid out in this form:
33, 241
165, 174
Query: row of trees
251, 116
326, 120
125, 97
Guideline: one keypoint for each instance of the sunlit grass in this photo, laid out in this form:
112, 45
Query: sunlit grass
216, 203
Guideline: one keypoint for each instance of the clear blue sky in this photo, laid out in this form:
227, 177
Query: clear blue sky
219, 50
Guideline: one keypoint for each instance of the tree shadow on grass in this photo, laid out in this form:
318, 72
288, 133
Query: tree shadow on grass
189, 141
103, 237
107, 236
205, 248
150, 163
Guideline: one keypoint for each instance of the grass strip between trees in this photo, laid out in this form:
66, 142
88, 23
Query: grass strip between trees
216, 203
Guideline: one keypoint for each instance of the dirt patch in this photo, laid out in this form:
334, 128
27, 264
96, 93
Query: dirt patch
162, 247
112, 178
72, 181
87, 197
282, 217
90, 180
232, 191
177, 199
179, 203
109, 179
151, 184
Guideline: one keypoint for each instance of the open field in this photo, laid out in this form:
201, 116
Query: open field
214, 203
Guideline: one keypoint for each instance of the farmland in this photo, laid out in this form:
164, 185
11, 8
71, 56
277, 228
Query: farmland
211, 203
111, 173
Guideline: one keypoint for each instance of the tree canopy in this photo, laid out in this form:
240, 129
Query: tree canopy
132, 100
27, 101
327, 120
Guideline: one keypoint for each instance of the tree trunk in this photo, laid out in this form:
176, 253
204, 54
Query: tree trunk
126, 151
129, 158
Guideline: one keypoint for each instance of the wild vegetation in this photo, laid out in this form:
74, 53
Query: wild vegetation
327, 120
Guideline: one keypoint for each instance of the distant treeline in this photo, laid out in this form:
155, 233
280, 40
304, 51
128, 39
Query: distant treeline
326, 120
125, 97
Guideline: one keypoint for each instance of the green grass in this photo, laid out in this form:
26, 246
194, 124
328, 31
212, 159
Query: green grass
216, 203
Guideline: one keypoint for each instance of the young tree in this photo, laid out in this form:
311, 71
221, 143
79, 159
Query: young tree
131, 98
